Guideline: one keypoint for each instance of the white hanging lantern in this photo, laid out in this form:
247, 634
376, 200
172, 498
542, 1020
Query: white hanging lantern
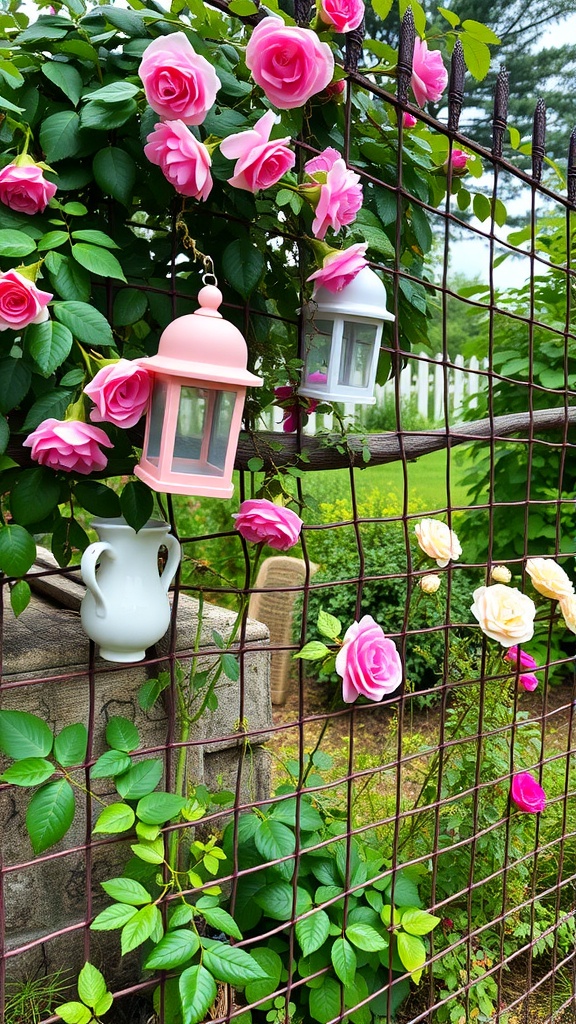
343, 332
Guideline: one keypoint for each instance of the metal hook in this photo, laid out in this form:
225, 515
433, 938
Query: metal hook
209, 277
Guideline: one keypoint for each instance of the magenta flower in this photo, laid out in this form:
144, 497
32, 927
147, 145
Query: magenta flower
25, 189
429, 76
527, 794
340, 268
408, 120
69, 445
184, 161
520, 658
120, 392
528, 681
287, 398
263, 522
459, 159
368, 662
180, 85
260, 163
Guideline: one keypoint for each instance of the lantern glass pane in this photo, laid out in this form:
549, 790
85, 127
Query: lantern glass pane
318, 347
220, 433
189, 429
156, 414
357, 352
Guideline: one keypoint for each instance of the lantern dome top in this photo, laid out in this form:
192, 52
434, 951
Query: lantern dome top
203, 346
365, 296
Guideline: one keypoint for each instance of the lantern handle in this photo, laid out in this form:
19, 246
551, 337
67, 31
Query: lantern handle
209, 277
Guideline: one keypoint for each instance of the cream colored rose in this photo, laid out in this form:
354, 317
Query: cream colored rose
549, 578
438, 541
430, 583
568, 609
501, 574
504, 614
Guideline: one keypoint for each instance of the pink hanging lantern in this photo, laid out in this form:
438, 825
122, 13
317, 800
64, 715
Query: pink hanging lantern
195, 414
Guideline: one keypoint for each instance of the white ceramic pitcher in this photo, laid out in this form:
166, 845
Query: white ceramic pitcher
126, 608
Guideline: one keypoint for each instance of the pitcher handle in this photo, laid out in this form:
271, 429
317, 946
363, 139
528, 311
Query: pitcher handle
88, 569
172, 562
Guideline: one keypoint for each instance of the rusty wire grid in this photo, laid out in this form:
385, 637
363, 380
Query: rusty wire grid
505, 945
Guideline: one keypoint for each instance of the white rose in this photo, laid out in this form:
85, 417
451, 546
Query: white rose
438, 541
568, 609
501, 574
504, 614
430, 583
549, 578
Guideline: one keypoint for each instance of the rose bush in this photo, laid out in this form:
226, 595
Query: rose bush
263, 522
504, 614
368, 662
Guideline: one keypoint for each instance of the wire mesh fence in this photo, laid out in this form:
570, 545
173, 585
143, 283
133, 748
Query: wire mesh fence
387, 859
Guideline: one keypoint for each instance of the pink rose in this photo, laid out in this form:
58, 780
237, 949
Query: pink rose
528, 681
459, 159
289, 64
408, 120
520, 658
335, 91
340, 199
184, 161
368, 662
261, 521
25, 188
527, 794
259, 162
429, 76
21, 302
343, 15
340, 268
120, 392
69, 445
178, 82
287, 398
323, 162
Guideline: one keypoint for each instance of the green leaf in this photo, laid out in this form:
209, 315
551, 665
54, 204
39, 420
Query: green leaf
273, 840
276, 900
116, 92
103, 1005
79, 48
15, 377
230, 667
97, 260
242, 8
97, 498
130, 305
158, 808
67, 537
412, 953
149, 692
112, 917
314, 650
482, 206
17, 550
271, 963
476, 56
418, 922
115, 173
310, 820
60, 136
8, 105
197, 993
48, 343
255, 464
325, 1001
74, 1013
313, 931
150, 853
140, 779
50, 814
24, 735
85, 322
243, 266
52, 404
102, 117
382, 8
344, 960
64, 77
91, 985
71, 281
110, 764
70, 745
29, 771
4, 434
221, 920
20, 595
34, 495
231, 964
15, 244
137, 504
95, 238
121, 734
126, 890
405, 891
365, 937
173, 950
140, 928
115, 818
450, 16
480, 31
329, 625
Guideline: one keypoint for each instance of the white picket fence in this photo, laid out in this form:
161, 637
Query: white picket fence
422, 387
